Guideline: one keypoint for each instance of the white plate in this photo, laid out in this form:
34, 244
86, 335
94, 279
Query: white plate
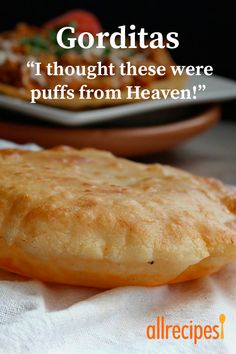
217, 89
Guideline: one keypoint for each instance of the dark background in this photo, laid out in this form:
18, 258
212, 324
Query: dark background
207, 30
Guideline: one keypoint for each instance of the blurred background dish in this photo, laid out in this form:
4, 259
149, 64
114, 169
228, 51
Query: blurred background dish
145, 127
217, 90
206, 33
131, 140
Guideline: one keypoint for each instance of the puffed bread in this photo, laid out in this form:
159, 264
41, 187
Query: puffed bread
85, 217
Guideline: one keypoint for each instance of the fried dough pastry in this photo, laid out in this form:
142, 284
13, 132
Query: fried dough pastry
85, 217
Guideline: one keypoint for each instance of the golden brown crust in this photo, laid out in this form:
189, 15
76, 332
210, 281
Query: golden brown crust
175, 82
86, 217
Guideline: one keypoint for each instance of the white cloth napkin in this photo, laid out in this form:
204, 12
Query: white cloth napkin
39, 318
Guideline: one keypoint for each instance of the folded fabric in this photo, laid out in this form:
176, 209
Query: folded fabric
38, 318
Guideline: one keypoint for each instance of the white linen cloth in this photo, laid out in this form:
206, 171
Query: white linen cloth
39, 318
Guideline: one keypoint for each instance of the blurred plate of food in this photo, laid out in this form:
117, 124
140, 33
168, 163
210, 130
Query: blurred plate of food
218, 90
129, 140
27, 43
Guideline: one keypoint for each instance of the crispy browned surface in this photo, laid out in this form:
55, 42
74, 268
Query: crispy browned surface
88, 218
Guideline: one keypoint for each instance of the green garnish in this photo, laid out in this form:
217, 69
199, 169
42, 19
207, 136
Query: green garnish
36, 43
58, 51
131, 53
52, 36
107, 51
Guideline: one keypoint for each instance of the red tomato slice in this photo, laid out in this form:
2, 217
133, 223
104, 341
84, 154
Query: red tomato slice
85, 21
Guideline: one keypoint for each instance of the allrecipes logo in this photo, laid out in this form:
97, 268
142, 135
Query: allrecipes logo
191, 331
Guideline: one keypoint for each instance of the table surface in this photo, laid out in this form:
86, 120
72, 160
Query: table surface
212, 153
